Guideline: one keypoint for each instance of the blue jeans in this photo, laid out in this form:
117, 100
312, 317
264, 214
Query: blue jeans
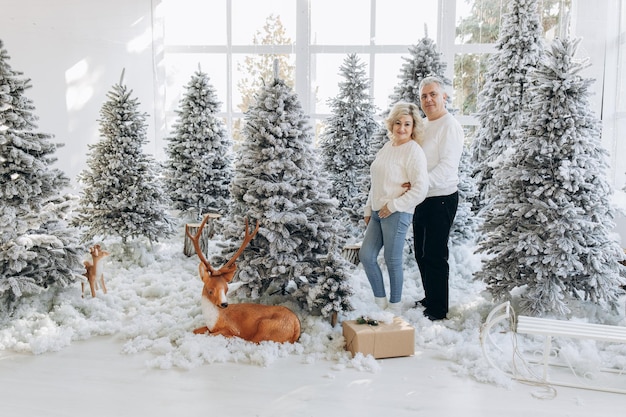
389, 232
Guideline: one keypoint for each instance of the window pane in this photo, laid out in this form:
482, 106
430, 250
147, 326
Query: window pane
388, 68
181, 67
250, 72
393, 27
555, 15
478, 21
194, 22
254, 19
317, 126
340, 22
469, 73
325, 78
236, 132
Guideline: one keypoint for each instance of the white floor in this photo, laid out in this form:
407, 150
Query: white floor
93, 379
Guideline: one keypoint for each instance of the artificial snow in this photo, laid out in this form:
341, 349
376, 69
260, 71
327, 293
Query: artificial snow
153, 305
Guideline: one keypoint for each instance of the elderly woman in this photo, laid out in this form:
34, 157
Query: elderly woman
390, 205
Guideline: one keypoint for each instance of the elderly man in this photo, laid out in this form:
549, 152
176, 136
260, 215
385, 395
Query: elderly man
432, 220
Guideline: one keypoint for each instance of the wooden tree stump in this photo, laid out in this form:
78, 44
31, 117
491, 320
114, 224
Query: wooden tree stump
351, 253
207, 233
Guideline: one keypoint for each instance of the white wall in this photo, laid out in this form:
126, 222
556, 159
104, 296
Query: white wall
597, 23
74, 52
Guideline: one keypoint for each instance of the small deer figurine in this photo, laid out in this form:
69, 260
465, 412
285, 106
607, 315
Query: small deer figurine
94, 270
252, 322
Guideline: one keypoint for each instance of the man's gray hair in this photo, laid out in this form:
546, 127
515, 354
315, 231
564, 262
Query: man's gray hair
432, 79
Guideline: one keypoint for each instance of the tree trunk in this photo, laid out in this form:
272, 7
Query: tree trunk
351, 253
207, 233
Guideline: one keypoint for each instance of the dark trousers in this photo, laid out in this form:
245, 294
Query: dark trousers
432, 221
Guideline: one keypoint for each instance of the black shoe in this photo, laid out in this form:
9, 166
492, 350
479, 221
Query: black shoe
433, 317
421, 303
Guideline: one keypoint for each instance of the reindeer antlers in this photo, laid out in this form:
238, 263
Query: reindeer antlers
247, 238
195, 240
196, 244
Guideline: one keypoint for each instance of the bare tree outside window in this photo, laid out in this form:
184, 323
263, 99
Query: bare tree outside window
259, 68
482, 26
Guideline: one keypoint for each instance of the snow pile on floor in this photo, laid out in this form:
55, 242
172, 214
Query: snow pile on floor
153, 305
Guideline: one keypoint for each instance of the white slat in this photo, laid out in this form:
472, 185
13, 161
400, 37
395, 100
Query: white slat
550, 327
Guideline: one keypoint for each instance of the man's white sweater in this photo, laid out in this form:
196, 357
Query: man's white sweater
443, 146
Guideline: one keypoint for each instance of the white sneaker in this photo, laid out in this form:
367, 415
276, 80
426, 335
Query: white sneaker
381, 302
395, 308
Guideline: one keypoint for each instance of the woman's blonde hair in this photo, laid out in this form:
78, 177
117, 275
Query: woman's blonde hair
402, 108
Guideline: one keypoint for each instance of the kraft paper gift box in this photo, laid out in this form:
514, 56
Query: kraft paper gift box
386, 340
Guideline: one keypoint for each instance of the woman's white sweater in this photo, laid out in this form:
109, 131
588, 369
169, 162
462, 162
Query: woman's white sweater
394, 166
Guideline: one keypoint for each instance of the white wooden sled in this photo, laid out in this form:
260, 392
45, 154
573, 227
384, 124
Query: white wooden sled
503, 315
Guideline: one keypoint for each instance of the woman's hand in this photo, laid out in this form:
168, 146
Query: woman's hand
367, 220
384, 212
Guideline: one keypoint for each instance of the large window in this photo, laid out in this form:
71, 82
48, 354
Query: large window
477, 25
236, 41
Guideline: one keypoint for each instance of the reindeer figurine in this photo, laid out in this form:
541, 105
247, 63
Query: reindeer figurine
94, 270
252, 322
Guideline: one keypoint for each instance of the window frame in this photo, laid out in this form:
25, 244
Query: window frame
584, 24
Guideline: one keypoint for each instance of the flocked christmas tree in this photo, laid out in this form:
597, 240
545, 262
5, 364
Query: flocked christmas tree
505, 92
38, 249
463, 231
463, 234
122, 193
278, 182
424, 60
550, 228
199, 169
346, 141
331, 293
